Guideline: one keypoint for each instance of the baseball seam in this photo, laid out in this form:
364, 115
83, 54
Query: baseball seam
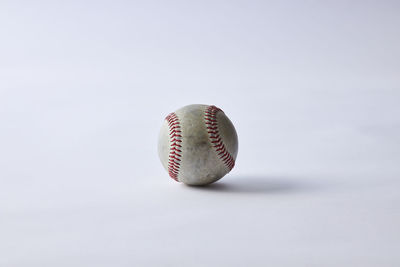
175, 152
210, 116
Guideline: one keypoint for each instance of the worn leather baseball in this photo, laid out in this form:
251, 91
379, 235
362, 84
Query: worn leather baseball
197, 144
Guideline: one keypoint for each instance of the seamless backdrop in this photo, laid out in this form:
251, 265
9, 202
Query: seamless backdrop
311, 86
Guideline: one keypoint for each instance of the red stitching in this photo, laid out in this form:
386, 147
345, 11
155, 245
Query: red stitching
210, 117
175, 138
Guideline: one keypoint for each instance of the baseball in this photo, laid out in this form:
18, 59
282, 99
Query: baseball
197, 144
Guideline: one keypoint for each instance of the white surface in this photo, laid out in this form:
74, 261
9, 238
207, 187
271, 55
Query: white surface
313, 91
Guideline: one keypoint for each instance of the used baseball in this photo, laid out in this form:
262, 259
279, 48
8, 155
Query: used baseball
197, 144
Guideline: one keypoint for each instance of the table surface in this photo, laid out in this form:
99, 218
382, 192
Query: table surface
313, 90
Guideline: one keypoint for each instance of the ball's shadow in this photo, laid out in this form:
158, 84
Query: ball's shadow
258, 184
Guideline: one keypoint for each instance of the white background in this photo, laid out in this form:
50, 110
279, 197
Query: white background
313, 88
